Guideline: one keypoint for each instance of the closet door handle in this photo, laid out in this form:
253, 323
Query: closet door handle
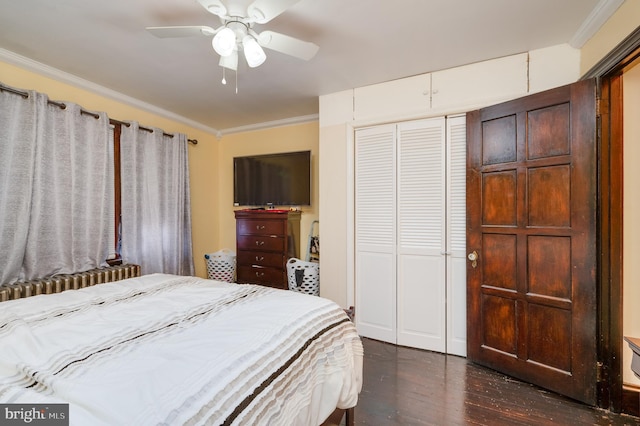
473, 257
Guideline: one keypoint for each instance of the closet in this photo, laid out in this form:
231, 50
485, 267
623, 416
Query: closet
410, 233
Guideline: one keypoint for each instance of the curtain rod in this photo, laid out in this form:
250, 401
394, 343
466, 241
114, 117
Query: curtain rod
14, 91
82, 111
124, 123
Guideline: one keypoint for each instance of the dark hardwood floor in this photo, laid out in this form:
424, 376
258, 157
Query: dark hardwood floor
404, 386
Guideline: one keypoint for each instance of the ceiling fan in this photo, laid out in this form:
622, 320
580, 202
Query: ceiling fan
236, 32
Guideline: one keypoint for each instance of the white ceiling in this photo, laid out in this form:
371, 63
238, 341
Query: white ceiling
361, 42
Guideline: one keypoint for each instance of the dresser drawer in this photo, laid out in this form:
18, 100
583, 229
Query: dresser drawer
261, 243
261, 227
271, 277
261, 258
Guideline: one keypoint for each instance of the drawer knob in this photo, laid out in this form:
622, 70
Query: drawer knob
259, 227
259, 243
259, 258
259, 274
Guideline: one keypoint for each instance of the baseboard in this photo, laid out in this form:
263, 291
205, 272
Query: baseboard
631, 400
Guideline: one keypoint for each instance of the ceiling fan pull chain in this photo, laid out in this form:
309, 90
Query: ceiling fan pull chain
236, 82
224, 80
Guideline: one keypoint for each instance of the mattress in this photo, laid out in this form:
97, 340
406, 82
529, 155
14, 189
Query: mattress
164, 349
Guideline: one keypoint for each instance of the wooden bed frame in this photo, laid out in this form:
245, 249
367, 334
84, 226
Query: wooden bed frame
335, 419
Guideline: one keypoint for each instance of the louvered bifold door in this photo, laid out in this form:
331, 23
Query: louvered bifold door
456, 236
421, 209
375, 227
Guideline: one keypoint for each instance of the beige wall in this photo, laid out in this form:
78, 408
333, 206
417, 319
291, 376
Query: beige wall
203, 157
631, 212
623, 22
299, 137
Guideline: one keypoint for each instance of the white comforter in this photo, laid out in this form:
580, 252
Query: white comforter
162, 349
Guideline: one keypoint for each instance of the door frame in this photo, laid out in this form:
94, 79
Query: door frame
611, 392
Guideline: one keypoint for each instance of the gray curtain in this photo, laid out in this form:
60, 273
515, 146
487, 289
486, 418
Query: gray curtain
156, 206
54, 188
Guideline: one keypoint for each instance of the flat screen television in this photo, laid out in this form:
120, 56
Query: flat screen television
282, 179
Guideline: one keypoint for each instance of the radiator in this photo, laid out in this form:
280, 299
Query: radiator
62, 282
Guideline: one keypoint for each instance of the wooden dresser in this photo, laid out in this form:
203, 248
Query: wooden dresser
265, 241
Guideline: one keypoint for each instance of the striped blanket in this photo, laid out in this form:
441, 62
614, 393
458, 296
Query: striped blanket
163, 349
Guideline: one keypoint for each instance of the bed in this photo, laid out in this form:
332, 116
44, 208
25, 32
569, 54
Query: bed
172, 350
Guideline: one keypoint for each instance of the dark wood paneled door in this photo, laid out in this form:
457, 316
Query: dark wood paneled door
531, 216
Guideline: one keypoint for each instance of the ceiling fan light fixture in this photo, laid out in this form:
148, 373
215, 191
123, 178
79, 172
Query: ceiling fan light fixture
230, 62
253, 52
224, 42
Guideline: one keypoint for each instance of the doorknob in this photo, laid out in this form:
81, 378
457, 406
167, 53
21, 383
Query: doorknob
473, 257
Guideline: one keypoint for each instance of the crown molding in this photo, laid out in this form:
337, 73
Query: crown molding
598, 16
269, 124
64, 77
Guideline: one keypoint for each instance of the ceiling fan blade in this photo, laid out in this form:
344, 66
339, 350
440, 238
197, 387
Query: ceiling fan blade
288, 45
214, 6
262, 11
190, 31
